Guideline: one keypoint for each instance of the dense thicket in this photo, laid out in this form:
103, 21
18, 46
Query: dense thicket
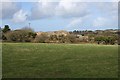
28, 35
21, 35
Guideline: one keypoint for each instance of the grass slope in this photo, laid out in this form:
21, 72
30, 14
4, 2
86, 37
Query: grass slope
35, 60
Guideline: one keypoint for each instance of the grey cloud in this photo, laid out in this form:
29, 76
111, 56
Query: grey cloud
43, 10
60, 9
8, 9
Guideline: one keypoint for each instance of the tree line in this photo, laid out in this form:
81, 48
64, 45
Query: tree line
27, 34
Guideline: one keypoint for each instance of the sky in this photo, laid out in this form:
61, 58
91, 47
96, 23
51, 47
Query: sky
51, 15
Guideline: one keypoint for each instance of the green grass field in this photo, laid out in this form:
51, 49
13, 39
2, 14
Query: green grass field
36, 60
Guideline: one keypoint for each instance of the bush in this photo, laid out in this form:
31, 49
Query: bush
20, 36
6, 29
71, 38
105, 39
41, 38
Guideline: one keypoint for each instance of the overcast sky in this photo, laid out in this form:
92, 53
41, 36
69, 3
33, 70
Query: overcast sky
60, 14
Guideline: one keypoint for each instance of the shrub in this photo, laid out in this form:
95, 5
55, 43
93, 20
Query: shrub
6, 29
105, 39
20, 36
41, 38
71, 38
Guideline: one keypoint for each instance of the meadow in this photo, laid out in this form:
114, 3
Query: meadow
37, 60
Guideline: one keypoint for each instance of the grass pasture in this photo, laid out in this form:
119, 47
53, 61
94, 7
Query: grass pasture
36, 60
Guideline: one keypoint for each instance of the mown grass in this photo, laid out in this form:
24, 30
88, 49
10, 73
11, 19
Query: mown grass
35, 60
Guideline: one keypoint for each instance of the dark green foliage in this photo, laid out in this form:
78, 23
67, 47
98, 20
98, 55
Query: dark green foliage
6, 29
32, 34
105, 39
20, 36
23, 35
109, 36
3, 37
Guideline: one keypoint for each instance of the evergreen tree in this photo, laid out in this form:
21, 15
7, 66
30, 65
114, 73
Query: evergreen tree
6, 29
